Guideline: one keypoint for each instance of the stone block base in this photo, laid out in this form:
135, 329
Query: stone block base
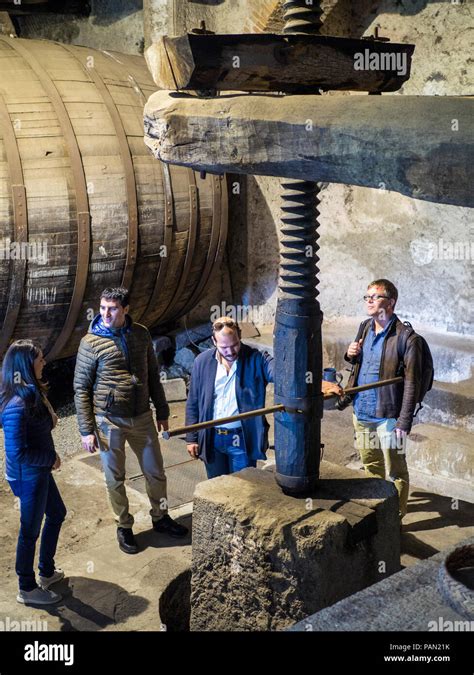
263, 560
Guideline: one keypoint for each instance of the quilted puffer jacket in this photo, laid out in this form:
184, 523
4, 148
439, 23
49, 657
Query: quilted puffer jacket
116, 374
29, 446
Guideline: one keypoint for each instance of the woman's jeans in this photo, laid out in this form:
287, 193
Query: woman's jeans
38, 497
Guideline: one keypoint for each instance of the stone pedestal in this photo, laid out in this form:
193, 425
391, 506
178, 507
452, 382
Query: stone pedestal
263, 560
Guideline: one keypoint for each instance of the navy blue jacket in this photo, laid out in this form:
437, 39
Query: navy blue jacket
29, 446
254, 372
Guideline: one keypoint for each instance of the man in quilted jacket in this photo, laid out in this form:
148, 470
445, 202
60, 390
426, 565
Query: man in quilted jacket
116, 376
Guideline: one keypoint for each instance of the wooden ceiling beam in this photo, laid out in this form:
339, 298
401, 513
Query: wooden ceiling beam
420, 146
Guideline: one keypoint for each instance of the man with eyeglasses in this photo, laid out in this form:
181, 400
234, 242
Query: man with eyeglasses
383, 417
226, 380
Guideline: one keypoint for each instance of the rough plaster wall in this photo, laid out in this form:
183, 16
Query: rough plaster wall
433, 291
253, 244
112, 24
174, 17
365, 233
368, 233
159, 18
227, 16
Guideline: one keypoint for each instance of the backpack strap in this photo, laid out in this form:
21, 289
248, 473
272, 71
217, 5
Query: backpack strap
362, 329
402, 339
361, 333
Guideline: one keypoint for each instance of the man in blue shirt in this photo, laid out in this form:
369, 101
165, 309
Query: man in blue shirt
226, 380
379, 425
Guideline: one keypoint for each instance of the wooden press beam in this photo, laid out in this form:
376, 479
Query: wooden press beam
283, 63
420, 146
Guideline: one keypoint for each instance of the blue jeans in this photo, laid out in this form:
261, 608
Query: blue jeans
228, 454
38, 497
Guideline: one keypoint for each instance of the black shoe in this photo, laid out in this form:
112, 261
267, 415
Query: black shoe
126, 540
169, 526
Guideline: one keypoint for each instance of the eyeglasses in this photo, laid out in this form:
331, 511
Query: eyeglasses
375, 297
219, 325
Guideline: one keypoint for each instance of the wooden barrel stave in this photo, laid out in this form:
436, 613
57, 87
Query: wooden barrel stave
52, 193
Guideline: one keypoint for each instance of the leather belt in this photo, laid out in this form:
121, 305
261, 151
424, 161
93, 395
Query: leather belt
221, 431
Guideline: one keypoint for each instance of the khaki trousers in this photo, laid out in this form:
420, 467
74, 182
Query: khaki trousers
141, 434
381, 454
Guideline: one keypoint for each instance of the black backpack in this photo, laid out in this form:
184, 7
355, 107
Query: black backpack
427, 369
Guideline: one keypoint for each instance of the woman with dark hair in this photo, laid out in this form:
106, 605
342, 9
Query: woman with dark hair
27, 419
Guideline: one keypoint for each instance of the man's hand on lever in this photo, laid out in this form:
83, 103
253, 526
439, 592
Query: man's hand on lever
330, 388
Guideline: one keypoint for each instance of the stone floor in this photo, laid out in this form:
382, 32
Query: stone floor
107, 590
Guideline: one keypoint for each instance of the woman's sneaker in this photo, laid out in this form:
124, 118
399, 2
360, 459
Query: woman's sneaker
46, 582
38, 596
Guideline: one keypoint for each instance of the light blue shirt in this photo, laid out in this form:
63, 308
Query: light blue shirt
225, 400
365, 403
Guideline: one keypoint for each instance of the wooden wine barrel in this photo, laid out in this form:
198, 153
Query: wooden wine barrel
89, 204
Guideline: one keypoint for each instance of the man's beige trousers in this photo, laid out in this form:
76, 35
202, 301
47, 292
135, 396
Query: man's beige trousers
141, 434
